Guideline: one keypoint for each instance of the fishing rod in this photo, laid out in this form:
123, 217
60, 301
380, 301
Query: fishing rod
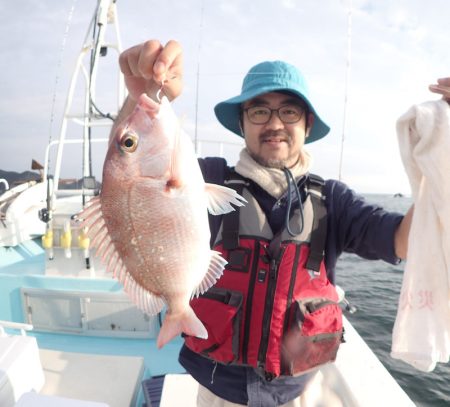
347, 81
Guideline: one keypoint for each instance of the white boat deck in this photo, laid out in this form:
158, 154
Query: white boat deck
20, 368
113, 380
33, 377
32, 399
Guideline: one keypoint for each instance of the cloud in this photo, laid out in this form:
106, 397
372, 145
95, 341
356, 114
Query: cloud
289, 4
397, 49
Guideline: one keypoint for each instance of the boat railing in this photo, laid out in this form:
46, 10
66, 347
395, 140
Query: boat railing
23, 328
65, 141
71, 192
200, 144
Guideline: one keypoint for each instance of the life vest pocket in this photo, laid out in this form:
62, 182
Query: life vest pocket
314, 335
219, 310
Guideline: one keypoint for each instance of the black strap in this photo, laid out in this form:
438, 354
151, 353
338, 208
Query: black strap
230, 223
315, 186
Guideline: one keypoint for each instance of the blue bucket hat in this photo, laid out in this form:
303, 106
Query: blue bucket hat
269, 76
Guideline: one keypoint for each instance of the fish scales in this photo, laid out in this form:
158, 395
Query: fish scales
170, 228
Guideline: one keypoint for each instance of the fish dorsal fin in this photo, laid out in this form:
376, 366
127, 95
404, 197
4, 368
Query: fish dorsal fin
220, 199
215, 270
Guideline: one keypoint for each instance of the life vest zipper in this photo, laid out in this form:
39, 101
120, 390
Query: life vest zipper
286, 369
267, 316
249, 301
294, 272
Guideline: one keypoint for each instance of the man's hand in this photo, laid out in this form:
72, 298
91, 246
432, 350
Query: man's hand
442, 87
402, 235
148, 65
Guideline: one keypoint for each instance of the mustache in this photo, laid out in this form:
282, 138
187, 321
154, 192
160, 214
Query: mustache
280, 134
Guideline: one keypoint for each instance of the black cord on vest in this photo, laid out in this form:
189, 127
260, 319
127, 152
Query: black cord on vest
291, 181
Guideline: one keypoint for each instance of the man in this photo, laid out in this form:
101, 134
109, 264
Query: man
281, 247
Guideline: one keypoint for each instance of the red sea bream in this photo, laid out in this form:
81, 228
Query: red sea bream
150, 222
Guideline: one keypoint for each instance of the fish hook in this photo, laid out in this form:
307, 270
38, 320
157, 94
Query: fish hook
160, 90
158, 94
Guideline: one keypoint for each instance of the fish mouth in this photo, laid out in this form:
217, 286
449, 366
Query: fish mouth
148, 105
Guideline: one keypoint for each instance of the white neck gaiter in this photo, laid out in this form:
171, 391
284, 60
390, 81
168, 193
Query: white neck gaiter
272, 180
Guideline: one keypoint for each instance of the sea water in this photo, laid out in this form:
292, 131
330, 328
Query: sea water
374, 288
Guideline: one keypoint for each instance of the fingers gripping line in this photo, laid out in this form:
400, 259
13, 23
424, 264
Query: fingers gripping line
163, 82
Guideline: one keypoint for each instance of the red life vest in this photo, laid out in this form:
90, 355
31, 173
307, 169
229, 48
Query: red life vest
274, 307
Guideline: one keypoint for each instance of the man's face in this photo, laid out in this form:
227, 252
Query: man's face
276, 144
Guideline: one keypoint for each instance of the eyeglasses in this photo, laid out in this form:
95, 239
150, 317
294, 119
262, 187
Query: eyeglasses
261, 115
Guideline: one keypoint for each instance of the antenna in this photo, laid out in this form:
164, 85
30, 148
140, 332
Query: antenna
347, 81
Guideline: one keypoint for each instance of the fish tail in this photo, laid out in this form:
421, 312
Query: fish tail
174, 325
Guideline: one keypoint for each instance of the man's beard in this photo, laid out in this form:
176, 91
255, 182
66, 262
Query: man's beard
269, 163
272, 162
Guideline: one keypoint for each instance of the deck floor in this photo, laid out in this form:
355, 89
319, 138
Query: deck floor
114, 380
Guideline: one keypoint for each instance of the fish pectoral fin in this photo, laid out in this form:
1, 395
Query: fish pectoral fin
215, 271
220, 199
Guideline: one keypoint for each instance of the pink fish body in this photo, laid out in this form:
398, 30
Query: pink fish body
150, 222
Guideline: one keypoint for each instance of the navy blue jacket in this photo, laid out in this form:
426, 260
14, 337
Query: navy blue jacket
354, 226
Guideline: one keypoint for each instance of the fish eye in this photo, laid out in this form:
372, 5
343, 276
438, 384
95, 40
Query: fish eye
129, 142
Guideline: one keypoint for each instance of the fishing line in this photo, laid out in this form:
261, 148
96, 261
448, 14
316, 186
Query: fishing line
198, 74
58, 70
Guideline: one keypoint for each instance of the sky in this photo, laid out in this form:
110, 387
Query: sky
397, 48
